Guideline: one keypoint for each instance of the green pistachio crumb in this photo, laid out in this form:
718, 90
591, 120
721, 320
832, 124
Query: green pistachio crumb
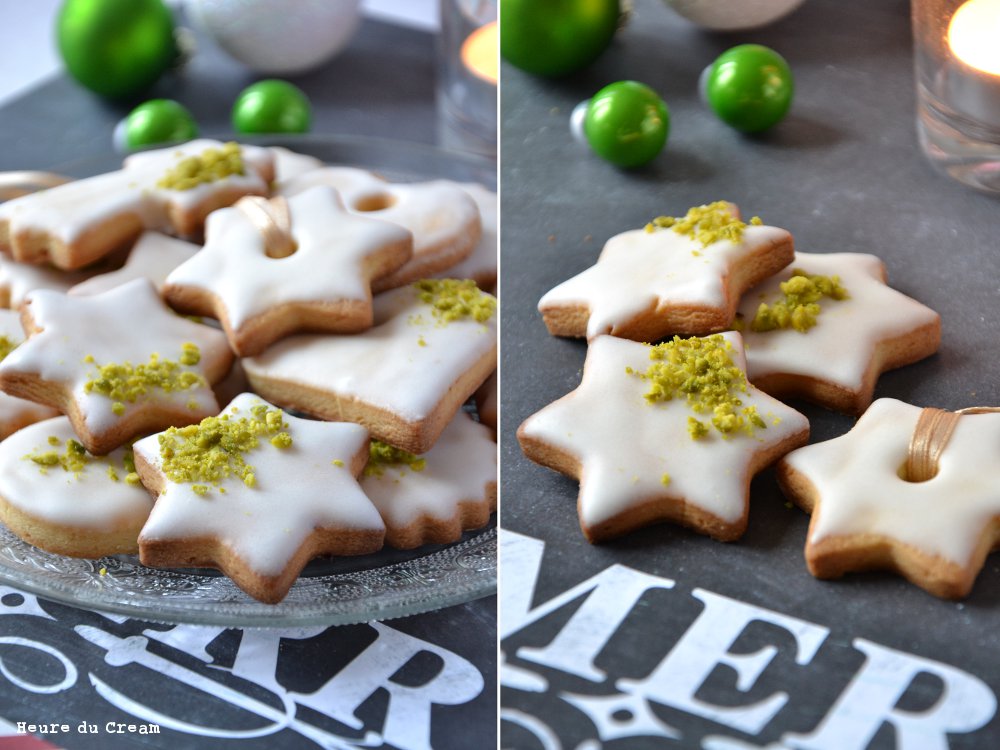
665, 480
337, 462
210, 165
133, 479
706, 224
382, 454
6, 347
112, 474
126, 382
799, 307
53, 440
456, 299
701, 371
281, 440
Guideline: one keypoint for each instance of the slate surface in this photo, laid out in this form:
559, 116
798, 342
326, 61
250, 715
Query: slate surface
382, 85
842, 173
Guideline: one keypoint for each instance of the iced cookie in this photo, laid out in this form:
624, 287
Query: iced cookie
825, 328
58, 497
118, 364
663, 433
443, 218
153, 257
432, 498
907, 489
433, 344
289, 164
18, 279
256, 493
16, 413
486, 403
271, 268
481, 265
171, 189
677, 276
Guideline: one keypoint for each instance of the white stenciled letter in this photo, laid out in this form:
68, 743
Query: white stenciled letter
706, 645
611, 595
966, 704
408, 716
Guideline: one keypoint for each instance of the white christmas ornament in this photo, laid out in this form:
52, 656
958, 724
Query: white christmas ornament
278, 36
725, 15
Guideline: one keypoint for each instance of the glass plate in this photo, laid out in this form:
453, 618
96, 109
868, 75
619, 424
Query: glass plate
330, 591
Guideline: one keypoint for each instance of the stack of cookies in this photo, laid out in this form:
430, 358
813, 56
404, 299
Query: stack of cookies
346, 320
676, 430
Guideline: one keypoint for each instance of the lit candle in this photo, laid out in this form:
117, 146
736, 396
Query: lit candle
974, 77
480, 51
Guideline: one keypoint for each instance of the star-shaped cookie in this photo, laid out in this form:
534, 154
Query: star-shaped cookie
865, 515
404, 378
434, 497
481, 265
653, 282
73, 225
836, 362
302, 498
641, 461
118, 364
443, 218
153, 257
324, 285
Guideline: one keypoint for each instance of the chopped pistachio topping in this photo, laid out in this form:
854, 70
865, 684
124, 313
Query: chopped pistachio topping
190, 355
74, 459
456, 299
800, 305
706, 224
210, 165
213, 450
338, 463
703, 371
6, 347
382, 454
665, 480
128, 382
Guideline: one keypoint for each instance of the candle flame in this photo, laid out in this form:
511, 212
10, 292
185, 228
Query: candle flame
480, 52
973, 35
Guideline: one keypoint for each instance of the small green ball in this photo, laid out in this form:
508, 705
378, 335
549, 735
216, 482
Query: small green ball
159, 121
750, 87
116, 48
627, 123
556, 37
272, 106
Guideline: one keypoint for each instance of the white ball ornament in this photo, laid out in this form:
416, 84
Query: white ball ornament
278, 36
726, 15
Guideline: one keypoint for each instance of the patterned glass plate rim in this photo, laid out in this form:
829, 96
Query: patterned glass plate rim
339, 591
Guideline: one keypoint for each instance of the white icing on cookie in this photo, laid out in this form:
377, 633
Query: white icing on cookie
442, 216
68, 211
289, 164
17, 412
18, 279
640, 270
298, 489
859, 490
90, 499
481, 265
332, 263
625, 444
840, 347
152, 257
458, 468
105, 327
386, 366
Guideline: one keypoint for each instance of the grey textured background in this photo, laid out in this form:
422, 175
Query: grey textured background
843, 173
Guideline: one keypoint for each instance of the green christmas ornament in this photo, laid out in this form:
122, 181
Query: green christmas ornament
556, 37
271, 106
159, 121
750, 87
627, 123
116, 48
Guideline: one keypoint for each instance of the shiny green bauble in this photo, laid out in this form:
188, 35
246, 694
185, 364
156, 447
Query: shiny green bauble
116, 48
272, 106
627, 123
556, 37
159, 121
750, 87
